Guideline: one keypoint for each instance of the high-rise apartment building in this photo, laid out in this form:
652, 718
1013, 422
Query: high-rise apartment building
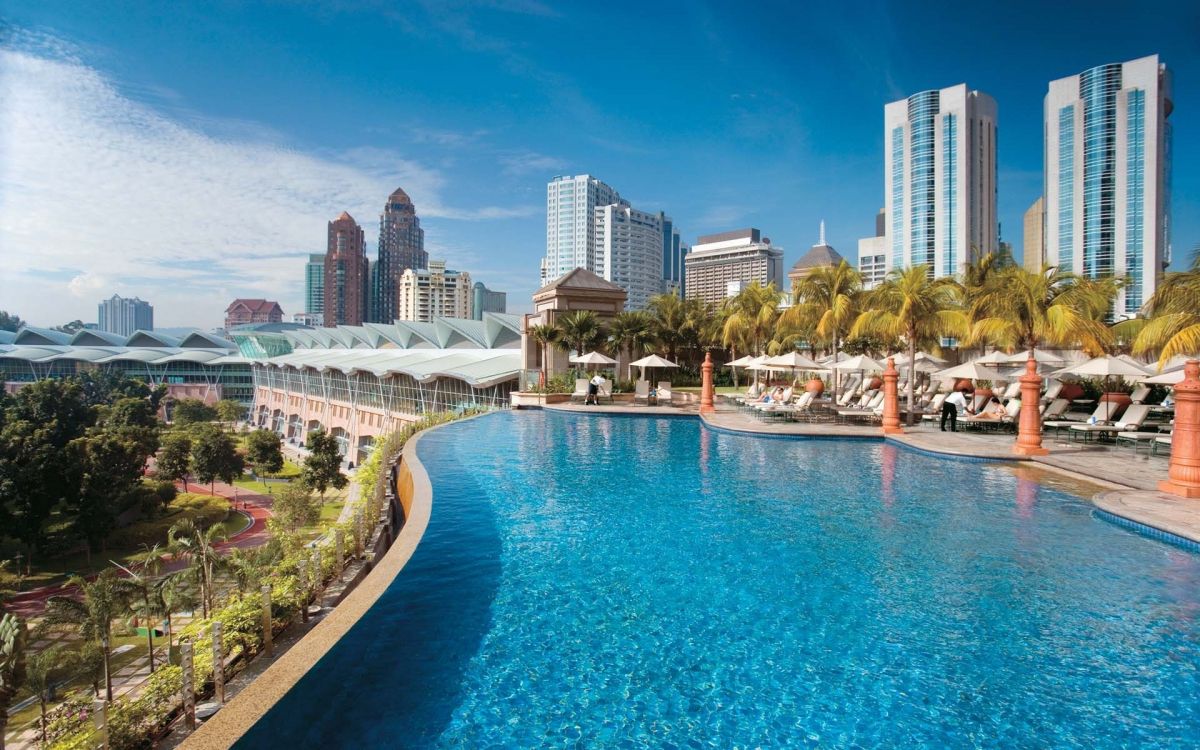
872, 254
487, 300
740, 257
1107, 172
125, 316
629, 251
434, 291
347, 275
401, 246
571, 204
673, 251
314, 285
1033, 251
940, 179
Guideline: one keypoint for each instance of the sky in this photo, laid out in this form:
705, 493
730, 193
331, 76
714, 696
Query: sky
191, 153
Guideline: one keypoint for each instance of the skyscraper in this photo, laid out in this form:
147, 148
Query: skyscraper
720, 265
314, 285
125, 316
426, 293
673, 251
487, 300
940, 179
1033, 252
1107, 171
629, 251
401, 246
346, 273
571, 204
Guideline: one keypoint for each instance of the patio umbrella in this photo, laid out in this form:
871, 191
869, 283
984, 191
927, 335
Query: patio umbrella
902, 359
745, 361
1039, 356
992, 358
1107, 367
1170, 377
968, 370
861, 364
593, 359
793, 361
651, 361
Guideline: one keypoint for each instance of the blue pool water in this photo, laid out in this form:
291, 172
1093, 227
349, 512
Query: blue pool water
635, 582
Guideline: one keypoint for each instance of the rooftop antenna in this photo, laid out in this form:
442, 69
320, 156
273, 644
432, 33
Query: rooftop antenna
821, 240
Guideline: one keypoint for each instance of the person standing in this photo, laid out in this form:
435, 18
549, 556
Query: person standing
955, 404
594, 390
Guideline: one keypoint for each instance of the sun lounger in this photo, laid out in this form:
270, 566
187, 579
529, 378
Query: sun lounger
1052, 392
1129, 422
934, 408
1137, 438
1140, 394
664, 392
1012, 412
641, 391
1066, 424
605, 391
1160, 442
1055, 408
581, 389
1012, 391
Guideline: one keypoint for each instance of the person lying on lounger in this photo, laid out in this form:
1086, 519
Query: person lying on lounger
993, 409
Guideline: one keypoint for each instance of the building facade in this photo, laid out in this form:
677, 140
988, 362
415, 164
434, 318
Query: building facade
347, 274
426, 293
244, 311
314, 285
1033, 249
401, 247
820, 255
742, 256
486, 300
124, 316
629, 251
940, 179
1107, 172
673, 251
571, 204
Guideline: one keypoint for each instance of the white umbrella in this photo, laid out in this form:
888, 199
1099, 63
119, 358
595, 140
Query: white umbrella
969, 370
992, 358
1170, 377
652, 361
860, 363
1039, 356
593, 358
745, 361
902, 359
794, 361
1106, 367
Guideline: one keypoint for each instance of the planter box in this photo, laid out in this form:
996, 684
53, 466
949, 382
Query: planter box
525, 400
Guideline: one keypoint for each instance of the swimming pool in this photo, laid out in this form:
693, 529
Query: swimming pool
592, 581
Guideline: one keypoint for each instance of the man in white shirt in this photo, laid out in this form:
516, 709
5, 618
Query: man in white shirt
594, 389
955, 404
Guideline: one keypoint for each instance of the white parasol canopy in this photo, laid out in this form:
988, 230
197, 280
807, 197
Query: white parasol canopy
593, 358
969, 370
794, 361
860, 363
902, 359
653, 361
992, 358
745, 361
1105, 367
1170, 377
1039, 356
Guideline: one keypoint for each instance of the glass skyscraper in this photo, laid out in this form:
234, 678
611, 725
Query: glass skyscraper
571, 234
1107, 190
940, 179
314, 285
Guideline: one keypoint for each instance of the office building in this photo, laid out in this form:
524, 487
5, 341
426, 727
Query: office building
314, 285
819, 255
1107, 172
485, 300
872, 254
741, 256
940, 179
347, 274
245, 311
125, 316
308, 319
401, 246
629, 251
1033, 249
673, 251
571, 204
434, 292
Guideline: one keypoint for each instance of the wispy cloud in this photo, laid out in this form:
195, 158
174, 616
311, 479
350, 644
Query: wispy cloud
525, 162
120, 196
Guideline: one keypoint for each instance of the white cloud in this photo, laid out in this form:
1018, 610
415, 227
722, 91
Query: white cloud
96, 188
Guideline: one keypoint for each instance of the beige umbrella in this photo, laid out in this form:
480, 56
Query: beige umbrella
651, 361
1107, 367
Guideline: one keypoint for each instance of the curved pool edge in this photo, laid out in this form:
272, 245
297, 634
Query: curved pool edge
245, 709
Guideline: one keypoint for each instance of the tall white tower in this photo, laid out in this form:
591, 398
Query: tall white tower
940, 179
571, 203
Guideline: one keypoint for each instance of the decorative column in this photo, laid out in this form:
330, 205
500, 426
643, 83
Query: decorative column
706, 385
267, 624
302, 577
218, 663
1184, 472
189, 690
1029, 430
891, 399
100, 723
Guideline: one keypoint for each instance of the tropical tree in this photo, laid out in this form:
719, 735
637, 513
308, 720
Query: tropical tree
100, 601
146, 600
630, 333
669, 321
323, 464
264, 452
9, 322
750, 318
229, 411
44, 670
192, 411
13, 641
214, 456
581, 331
546, 336
826, 303
294, 508
910, 305
177, 595
1021, 309
112, 467
1172, 323
175, 460
197, 547
248, 567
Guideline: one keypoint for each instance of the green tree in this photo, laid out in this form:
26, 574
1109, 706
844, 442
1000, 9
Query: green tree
1172, 323
214, 456
581, 331
112, 468
294, 508
175, 459
250, 566
230, 411
323, 464
177, 594
670, 321
13, 642
101, 601
750, 318
134, 419
1019, 308
264, 452
192, 411
44, 670
546, 336
630, 333
146, 600
197, 547
912, 306
825, 305
10, 322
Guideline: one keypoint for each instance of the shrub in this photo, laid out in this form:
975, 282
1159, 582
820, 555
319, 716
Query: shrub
205, 510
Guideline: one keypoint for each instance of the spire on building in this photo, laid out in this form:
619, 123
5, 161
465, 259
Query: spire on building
821, 239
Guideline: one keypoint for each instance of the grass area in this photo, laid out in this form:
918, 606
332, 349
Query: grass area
291, 470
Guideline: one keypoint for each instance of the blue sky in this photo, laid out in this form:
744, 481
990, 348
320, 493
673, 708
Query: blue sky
191, 153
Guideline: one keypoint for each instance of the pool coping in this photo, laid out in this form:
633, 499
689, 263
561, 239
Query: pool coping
245, 709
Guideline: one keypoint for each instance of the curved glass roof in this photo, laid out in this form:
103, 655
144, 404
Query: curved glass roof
477, 367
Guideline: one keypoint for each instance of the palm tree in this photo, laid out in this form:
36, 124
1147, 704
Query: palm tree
669, 316
46, 668
177, 595
1172, 323
546, 336
581, 331
630, 332
13, 637
750, 318
1019, 308
912, 306
826, 303
146, 600
197, 546
103, 600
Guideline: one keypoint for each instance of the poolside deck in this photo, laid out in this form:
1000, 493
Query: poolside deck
1132, 477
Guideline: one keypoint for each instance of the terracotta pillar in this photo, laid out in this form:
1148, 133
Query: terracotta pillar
706, 385
1184, 472
891, 399
1029, 430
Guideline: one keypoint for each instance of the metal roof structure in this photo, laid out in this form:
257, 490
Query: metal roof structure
477, 367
